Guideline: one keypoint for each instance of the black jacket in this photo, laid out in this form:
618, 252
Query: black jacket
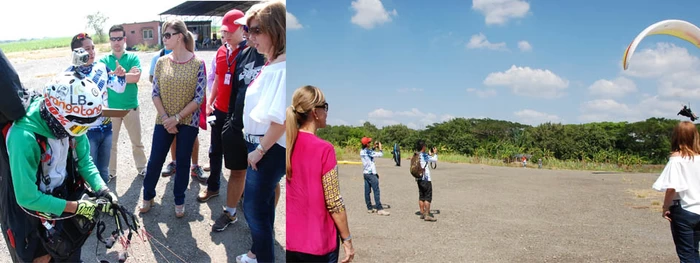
11, 107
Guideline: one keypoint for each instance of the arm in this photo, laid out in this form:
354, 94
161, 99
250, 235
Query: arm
214, 92
198, 96
433, 158
333, 199
24, 155
379, 153
668, 198
115, 83
152, 70
212, 74
275, 114
155, 94
134, 77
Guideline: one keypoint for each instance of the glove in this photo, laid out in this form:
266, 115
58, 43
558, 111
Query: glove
107, 194
86, 208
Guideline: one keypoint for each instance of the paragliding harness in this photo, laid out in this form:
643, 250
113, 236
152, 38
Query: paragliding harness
687, 113
416, 170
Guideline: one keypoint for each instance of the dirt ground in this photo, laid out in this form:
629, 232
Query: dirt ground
190, 238
503, 214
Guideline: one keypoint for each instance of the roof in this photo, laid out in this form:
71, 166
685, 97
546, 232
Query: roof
209, 8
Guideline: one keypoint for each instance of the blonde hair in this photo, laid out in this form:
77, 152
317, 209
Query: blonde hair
304, 101
685, 139
180, 27
273, 21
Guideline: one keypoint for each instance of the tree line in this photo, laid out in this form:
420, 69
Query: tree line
622, 143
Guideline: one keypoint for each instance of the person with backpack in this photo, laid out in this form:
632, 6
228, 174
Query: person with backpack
421, 172
369, 170
44, 216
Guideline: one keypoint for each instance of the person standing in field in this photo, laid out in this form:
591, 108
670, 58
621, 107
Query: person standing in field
369, 171
425, 184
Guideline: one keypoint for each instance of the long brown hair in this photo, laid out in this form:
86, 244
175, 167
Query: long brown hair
273, 21
685, 139
180, 27
304, 100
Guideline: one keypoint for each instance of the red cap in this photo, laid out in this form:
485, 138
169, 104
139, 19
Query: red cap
366, 140
228, 22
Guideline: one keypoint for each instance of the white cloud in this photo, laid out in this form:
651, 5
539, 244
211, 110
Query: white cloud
529, 82
381, 113
524, 46
612, 88
337, 122
612, 110
480, 41
403, 90
447, 117
382, 117
677, 71
292, 22
606, 105
532, 117
370, 13
482, 93
498, 12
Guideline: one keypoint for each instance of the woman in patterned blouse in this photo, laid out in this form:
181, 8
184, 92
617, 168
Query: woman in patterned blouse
179, 84
315, 212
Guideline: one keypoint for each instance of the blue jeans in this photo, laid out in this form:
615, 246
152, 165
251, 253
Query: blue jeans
685, 228
259, 200
372, 185
159, 150
100, 149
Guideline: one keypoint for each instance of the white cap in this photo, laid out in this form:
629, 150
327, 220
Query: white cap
254, 8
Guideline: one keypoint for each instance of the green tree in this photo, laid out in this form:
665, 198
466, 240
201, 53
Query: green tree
96, 22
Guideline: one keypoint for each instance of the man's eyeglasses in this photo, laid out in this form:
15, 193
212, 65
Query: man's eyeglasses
167, 35
252, 30
323, 106
116, 38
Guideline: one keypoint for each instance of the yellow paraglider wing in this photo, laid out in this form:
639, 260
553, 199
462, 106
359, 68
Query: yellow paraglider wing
672, 27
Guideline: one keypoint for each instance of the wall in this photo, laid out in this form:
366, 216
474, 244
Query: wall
135, 33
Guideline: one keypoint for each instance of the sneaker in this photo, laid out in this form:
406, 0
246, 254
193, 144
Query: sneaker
207, 168
422, 216
429, 218
142, 173
198, 173
111, 176
383, 213
169, 170
205, 195
369, 211
223, 221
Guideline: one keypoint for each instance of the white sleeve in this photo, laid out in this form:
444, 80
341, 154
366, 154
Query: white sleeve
671, 177
271, 106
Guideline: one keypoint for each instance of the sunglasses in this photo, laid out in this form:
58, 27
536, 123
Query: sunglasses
116, 38
167, 35
323, 106
252, 30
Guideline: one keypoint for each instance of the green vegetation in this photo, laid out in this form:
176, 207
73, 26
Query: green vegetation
147, 48
606, 146
34, 44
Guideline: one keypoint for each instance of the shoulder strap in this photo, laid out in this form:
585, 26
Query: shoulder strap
40, 176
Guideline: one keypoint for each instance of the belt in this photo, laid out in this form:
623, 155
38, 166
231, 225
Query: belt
253, 138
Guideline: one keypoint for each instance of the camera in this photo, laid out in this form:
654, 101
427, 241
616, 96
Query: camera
80, 57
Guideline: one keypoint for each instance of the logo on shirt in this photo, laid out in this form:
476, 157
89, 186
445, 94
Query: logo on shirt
249, 72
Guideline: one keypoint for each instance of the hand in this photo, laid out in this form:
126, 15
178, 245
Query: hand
88, 208
134, 70
253, 159
109, 195
210, 108
349, 251
43, 259
666, 213
119, 71
170, 124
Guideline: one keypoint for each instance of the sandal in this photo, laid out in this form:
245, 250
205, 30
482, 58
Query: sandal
180, 211
146, 206
245, 259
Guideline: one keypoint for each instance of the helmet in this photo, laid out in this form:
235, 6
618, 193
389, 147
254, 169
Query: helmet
75, 102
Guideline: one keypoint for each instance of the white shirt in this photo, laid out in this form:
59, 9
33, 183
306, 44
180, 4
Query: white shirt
367, 156
265, 101
424, 160
683, 175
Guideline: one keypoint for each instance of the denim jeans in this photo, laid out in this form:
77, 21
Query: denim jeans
159, 151
100, 149
372, 184
259, 200
685, 228
216, 152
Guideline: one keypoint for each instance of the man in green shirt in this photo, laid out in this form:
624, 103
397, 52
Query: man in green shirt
125, 101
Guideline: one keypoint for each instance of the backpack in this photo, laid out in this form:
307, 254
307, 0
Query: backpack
416, 170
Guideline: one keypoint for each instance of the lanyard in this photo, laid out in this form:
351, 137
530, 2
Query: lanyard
228, 54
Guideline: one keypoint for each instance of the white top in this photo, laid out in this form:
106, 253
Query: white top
683, 175
265, 101
424, 160
367, 156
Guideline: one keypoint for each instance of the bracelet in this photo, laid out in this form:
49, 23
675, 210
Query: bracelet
164, 116
347, 238
260, 149
177, 117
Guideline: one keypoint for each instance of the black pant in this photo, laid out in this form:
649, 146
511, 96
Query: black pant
293, 256
216, 151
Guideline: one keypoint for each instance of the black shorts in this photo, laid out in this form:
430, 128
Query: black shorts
234, 148
425, 190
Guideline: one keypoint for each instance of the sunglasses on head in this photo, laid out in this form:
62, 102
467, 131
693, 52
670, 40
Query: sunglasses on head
323, 106
167, 35
116, 38
82, 36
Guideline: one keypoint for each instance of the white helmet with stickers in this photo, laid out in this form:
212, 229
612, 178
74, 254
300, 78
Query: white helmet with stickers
75, 102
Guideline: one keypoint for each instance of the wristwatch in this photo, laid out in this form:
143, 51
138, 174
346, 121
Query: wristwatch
260, 149
177, 117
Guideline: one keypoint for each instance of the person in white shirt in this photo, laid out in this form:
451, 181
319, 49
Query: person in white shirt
425, 184
369, 170
680, 179
264, 114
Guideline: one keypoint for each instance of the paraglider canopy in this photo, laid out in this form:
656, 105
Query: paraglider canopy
672, 27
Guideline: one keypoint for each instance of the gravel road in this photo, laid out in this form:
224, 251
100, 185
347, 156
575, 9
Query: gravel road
190, 238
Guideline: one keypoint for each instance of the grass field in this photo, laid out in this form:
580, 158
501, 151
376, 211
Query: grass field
352, 154
36, 44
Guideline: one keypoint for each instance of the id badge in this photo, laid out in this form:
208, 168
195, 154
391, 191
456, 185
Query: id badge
227, 79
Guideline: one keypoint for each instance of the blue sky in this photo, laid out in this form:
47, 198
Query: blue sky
400, 61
